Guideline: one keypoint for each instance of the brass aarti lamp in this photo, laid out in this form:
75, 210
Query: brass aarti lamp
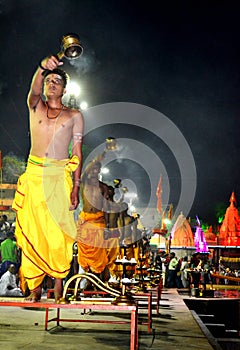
71, 47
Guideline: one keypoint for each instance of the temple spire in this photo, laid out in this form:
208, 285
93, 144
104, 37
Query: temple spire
232, 199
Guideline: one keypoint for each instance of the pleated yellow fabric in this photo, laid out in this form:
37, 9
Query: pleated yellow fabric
92, 252
45, 227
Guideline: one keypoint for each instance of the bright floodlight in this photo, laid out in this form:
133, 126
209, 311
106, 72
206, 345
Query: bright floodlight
83, 105
73, 89
132, 208
105, 171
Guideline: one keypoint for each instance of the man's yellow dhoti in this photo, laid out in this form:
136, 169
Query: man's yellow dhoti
45, 228
92, 252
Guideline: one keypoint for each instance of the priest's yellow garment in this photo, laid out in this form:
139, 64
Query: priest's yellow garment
92, 252
45, 227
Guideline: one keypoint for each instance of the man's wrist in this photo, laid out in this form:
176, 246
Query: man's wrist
41, 66
77, 182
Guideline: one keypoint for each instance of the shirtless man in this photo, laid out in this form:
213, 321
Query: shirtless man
92, 252
46, 197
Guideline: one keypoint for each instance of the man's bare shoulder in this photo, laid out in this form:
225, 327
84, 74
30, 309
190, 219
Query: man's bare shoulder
74, 113
76, 118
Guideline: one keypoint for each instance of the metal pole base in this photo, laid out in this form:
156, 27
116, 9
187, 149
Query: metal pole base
124, 300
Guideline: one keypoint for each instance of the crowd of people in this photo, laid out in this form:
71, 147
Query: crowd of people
227, 272
185, 271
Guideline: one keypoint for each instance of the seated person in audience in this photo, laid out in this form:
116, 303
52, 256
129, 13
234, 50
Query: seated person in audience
8, 284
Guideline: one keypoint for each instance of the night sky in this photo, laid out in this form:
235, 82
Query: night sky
180, 60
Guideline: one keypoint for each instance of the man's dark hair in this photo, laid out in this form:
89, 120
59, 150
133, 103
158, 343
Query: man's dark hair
10, 234
58, 71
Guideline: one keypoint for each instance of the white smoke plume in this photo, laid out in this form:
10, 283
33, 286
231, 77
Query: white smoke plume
87, 62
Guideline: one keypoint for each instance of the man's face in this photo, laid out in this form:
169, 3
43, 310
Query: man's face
12, 269
53, 85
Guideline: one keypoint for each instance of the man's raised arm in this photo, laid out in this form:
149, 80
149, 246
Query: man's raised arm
34, 95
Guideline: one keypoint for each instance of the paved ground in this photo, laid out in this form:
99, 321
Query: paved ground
173, 329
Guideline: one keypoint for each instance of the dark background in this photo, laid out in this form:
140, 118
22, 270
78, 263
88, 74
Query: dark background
180, 58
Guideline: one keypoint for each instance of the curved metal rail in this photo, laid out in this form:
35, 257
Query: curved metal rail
93, 279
